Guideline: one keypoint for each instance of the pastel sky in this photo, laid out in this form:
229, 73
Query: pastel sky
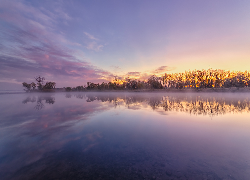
73, 42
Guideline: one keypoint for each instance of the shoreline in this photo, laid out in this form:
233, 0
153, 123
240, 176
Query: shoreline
206, 90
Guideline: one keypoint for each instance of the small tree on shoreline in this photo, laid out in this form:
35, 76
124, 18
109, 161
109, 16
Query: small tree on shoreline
39, 85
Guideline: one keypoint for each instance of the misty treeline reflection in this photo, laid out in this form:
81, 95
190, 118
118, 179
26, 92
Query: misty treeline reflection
193, 105
40, 100
198, 105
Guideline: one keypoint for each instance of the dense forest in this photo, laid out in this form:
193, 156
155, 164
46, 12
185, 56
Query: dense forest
190, 79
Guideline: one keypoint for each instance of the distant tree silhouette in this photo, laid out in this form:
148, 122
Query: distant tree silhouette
68, 88
154, 82
49, 85
27, 86
40, 81
39, 85
33, 85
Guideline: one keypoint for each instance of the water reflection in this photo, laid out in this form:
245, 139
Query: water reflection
197, 105
68, 95
39, 101
122, 136
27, 136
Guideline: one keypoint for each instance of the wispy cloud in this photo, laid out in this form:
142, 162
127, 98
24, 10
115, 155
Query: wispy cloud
62, 14
116, 68
162, 69
31, 45
94, 46
135, 74
90, 36
146, 74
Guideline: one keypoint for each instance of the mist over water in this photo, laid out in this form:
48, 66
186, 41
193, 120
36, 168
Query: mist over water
125, 135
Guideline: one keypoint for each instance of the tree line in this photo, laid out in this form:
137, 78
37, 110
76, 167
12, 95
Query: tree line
197, 79
40, 85
207, 79
153, 82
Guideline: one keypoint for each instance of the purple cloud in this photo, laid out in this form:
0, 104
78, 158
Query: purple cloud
31, 46
90, 36
133, 73
162, 69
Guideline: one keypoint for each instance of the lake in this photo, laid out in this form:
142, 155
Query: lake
125, 135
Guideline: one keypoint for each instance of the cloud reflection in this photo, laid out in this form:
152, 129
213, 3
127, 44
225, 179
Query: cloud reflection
50, 129
63, 122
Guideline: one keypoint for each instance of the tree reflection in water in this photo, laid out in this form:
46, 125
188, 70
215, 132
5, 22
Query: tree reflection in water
196, 105
68, 95
84, 134
39, 101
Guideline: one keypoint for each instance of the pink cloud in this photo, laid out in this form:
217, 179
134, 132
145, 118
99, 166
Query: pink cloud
30, 47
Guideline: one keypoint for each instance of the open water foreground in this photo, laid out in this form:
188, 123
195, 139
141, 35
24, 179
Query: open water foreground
125, 136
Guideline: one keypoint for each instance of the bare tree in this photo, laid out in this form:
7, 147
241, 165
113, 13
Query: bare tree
40, 80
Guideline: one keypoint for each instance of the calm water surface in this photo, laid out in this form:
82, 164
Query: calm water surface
125, 136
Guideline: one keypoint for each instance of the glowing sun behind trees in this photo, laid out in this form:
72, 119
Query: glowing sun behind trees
189, 79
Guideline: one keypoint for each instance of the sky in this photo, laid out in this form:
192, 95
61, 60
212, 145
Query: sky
73, 42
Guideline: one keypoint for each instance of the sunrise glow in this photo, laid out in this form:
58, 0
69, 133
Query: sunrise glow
97, 41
